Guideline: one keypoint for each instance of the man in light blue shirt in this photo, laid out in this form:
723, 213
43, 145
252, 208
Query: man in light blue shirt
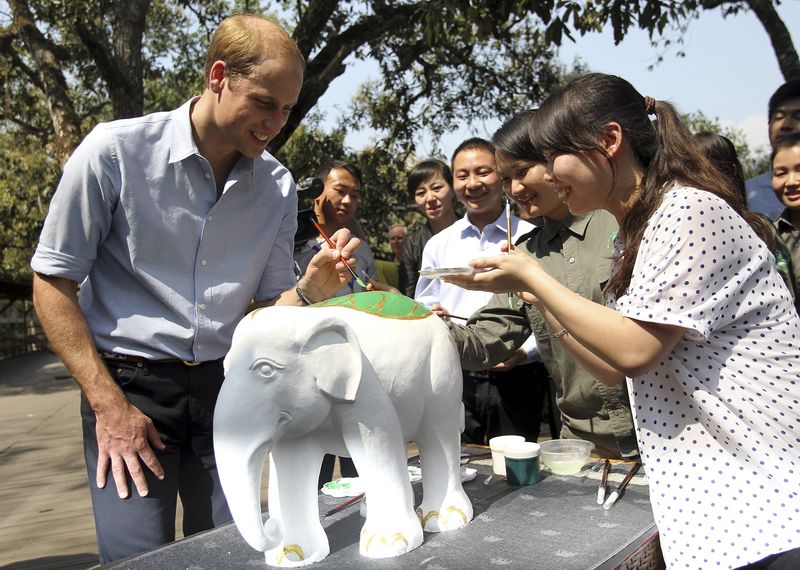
173, 225
783, 113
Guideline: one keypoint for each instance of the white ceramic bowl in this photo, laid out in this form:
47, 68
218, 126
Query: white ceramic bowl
565, 456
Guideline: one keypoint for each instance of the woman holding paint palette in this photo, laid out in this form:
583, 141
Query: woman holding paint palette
697, 322
576, 250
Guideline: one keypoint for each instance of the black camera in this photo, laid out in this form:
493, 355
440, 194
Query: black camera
308, 190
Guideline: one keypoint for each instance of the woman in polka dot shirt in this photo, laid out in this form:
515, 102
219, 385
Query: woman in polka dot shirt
698, 323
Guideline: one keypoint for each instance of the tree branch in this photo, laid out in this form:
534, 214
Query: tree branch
66, 124
779, 37
120, 62
312, 22
328, 64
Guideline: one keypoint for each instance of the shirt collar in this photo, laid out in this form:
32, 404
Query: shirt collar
183, 144
499, 222
783, 221
574, 224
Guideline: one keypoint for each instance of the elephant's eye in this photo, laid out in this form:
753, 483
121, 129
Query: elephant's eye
266, 368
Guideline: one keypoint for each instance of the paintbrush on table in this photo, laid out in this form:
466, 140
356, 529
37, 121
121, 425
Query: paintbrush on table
616, 492
601, 490
343, 505
342, 259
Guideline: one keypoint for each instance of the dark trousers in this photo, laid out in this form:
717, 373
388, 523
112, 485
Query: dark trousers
346, 467
789, 560
504, 403
180, 401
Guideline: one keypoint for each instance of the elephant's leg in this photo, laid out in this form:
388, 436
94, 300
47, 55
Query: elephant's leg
294, 502
445, 505
378, 451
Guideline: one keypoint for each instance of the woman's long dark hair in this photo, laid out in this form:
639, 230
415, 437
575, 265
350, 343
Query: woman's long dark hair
722, 154
512, 138
572, 120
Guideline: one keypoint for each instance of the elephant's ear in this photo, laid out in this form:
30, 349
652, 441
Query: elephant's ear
334, 349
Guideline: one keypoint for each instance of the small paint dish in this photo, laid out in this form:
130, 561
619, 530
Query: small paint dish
565, 456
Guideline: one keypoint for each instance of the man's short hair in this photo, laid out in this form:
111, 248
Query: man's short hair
784, 141
789, 90
244, 41
323, 171
474, 143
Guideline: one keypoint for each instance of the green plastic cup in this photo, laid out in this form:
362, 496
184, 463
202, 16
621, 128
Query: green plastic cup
522, 463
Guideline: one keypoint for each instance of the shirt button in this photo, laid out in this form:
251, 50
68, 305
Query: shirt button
571, 260
207, 175
210, 218
202, 306
203, 262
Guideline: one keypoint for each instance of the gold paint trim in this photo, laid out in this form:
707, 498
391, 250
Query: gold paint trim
396, 537
291, 549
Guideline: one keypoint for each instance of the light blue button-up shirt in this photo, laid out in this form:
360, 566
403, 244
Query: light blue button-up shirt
166, 269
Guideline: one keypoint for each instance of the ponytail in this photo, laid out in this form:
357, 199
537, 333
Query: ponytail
572, 119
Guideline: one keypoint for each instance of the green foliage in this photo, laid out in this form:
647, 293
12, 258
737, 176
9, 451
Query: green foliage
443, 63
470, 63
27, 179
384, 201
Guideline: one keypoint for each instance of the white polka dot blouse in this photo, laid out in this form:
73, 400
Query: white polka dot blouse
718, 419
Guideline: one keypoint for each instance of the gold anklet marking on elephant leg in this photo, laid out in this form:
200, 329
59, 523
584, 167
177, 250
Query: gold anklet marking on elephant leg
291, 549
396, 537
429, 516
456, 510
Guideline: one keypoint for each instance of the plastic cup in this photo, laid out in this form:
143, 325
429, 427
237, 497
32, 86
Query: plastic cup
522, 463
497, 444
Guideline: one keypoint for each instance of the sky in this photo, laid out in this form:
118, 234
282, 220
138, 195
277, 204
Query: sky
729, 73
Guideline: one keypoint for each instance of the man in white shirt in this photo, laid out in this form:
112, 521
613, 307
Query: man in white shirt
508, 398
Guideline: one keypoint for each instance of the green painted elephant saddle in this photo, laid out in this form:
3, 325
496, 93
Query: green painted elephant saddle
379, 303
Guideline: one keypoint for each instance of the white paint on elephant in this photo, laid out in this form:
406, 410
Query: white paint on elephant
304, 381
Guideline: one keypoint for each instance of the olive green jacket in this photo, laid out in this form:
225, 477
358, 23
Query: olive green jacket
577, 252
786, 250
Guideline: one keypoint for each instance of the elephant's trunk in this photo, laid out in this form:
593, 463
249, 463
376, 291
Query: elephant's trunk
240, 462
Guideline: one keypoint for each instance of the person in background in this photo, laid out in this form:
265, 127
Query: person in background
507, 399
430, 185
173, 226
722, 153
334, 209
786, 184
698, 323
576, 250
397, 235
783, 116
388, 270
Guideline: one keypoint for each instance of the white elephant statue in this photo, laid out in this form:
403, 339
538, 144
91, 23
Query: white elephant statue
354, 376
